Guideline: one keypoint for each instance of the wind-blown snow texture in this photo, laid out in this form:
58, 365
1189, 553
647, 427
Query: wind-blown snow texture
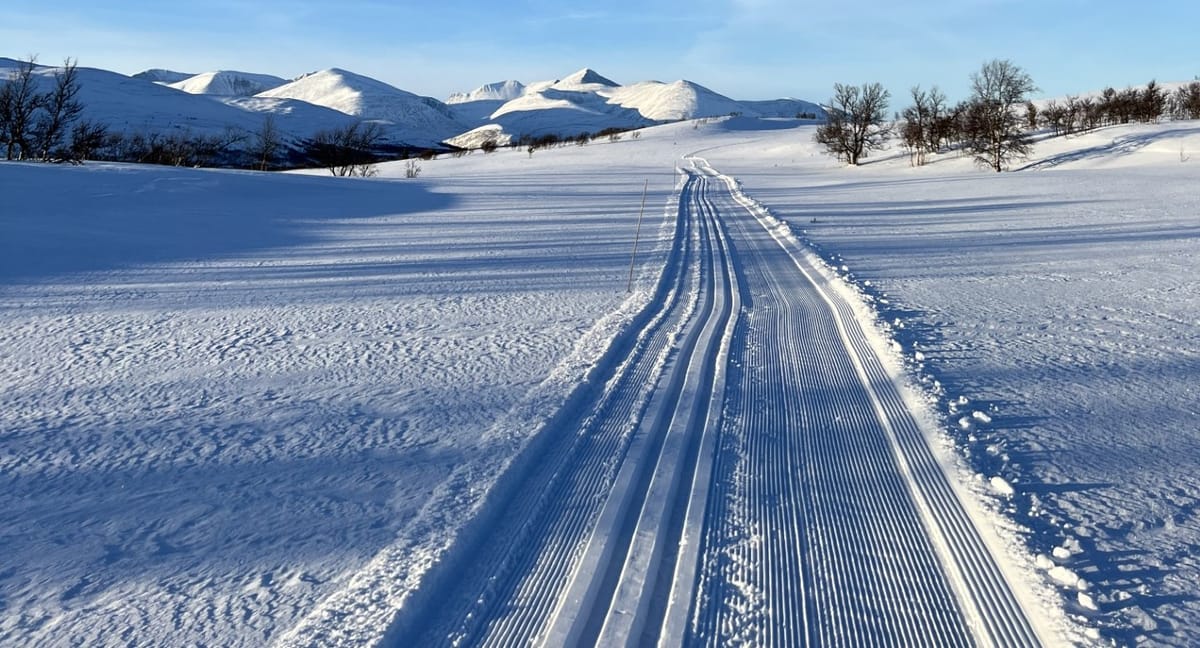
227, 398
225, 392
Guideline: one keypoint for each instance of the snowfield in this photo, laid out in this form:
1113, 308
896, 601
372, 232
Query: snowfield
225, 392
242, 408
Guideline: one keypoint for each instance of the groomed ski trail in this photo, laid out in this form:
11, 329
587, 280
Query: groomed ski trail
749, 474
838, 526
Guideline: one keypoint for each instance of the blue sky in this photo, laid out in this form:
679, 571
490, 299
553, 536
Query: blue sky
747, 49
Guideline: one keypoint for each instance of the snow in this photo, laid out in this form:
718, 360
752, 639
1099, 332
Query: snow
477, 106
158, 75
587, 102
674, 101
1064, 295
412, 119
1002, 487
783, 108
228, 83
476, 138
230, 399
585, 79
215, 103
137, 106
567, 113
501, 90
225, 393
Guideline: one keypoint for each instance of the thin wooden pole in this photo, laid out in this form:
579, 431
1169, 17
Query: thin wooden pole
637, 233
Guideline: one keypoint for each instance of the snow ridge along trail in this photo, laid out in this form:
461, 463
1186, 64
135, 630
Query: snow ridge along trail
748, 473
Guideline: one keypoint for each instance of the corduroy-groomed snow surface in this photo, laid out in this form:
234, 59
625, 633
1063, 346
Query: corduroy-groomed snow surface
934, 405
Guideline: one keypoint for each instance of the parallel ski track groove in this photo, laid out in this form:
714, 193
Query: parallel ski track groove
892, 442
871, 573
514, 583
638, 613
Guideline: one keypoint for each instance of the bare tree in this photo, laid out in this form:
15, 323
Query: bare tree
918, 122
1031, 115
1152, 102
936, 104
60, 109
921, 130
87, 138
347, 151
995, 136
1185, 103
1072, 114
1090, 114
19, 101
267, 142
857, 121
1053, 116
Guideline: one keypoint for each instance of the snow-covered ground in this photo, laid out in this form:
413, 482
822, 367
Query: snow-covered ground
225, 392
229, 397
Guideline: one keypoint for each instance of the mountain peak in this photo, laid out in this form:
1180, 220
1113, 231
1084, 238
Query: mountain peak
501, 90
228, 83
586, 76
158, 75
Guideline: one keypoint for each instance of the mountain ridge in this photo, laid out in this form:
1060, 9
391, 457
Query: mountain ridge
164, 101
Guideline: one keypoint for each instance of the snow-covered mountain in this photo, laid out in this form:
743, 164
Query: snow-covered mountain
476, 106
157, 75
501, 90
133, 105
159, 100
784, 108
586, 79
576, 104
228, 83
411, 118
587, 101
675, 101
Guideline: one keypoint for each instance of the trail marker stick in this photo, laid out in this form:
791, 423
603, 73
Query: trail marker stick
637, 233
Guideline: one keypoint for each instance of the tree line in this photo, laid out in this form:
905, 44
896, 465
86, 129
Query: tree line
990, 124
1148, 104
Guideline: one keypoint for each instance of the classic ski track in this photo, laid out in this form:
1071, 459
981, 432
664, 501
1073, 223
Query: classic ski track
795, 501
512, 583
648, 582
888, 554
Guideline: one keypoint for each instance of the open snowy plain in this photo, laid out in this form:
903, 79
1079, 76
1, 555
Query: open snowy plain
241, 408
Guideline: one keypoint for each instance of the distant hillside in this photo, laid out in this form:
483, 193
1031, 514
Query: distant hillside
411, 118
228, 83
587, 102
227, 103
503, 91
163, 76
